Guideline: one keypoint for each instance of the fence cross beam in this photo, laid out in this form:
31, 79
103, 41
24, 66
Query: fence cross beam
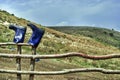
71, 54
64, 71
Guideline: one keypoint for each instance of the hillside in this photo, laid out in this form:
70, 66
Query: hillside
55, 42
106, 36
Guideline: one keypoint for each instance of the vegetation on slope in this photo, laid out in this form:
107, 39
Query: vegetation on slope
55, 42
106, 36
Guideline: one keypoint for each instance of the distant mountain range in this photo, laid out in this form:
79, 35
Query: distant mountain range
106, 36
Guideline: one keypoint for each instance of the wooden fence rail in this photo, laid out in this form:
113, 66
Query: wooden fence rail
33, 56
65, 71
72, 54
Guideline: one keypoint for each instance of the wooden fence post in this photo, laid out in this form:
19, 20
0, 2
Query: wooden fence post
18, 62
32, 63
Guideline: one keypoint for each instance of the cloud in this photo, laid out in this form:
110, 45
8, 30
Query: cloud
63, 23
66, 12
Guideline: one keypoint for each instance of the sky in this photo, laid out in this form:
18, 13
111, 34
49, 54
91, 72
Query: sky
98, 13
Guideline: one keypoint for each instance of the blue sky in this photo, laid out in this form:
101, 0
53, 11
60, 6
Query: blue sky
100, 13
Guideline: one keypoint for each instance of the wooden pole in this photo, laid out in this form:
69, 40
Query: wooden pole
64, 71
12, 43
18, 62
71, 54
32, 63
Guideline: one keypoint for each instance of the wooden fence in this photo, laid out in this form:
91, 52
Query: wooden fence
33, 56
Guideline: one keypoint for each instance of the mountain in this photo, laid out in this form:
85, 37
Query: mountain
55, 42
106, 36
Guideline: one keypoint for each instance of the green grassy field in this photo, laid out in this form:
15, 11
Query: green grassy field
106, 36
55, 42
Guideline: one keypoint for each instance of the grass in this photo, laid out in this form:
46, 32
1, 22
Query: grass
106, 36
49, 65
55, 42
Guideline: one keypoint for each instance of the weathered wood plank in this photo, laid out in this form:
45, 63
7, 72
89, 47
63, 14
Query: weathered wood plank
12, 43
71, 54
65, 71
18, 62
32, 64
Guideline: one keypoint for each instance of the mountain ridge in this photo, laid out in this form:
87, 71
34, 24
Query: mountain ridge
106, 36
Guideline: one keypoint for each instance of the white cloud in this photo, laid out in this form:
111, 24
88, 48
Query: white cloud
66, 12
63, 23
